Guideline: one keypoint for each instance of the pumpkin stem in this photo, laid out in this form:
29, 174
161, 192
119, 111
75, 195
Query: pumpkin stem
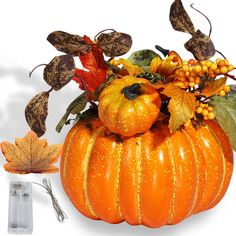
162, 50
131, 92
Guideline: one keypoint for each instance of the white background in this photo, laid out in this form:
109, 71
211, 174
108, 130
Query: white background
24, 26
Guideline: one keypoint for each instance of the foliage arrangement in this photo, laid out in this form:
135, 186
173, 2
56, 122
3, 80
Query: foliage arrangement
182, 92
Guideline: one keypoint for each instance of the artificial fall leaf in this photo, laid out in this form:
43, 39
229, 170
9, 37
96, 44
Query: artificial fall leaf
142, 58
214, 86
181, 106
114, 44
95, 64
74, 108
69, 43
59, 71
180, 19
132, 70
201, 46
30, 155
36, 113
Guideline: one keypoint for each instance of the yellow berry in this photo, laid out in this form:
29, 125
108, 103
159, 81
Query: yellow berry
211, 116
190, 69
213, 67
203, 63
205, 117
191, 84
185, 68
218, 60
224, 70
209, 63
199, 110
185, 63
187, 73
222, 93
205, 112
210, 108
230, 67
227, 88
205, 68
197, 68
202, 105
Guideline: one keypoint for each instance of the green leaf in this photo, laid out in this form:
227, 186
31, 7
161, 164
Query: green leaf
142, 58
225, 110
74, 108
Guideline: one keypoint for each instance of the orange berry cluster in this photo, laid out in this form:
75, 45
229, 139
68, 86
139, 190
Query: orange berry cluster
205, 110
192, 71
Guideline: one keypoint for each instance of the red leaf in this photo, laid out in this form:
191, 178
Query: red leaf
95, 64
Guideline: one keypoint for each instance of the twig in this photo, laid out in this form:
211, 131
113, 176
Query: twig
204, 16
231, 76
102, 32
31, 72
221, 54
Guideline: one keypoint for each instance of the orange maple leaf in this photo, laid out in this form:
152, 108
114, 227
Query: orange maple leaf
30, 155
181, 106
212, 87
95, 65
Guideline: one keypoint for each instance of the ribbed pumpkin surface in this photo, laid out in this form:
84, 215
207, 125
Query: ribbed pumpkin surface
152, 179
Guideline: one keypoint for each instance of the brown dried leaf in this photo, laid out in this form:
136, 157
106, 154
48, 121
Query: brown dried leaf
36, 113
30, 155
115, 43
180, 19
69, 43
201, 46
59, 71
214, 86
181, 106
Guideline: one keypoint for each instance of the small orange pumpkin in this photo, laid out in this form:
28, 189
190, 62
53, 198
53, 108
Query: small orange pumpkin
153, 179
127, 108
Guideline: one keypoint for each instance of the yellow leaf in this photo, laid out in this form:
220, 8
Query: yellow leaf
212, 87
181, 106
133, 70
31, 155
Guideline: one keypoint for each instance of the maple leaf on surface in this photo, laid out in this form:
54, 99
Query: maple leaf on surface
181, 106
95, 64
214, 86
30, 155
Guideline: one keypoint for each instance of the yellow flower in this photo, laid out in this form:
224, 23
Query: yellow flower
165, 67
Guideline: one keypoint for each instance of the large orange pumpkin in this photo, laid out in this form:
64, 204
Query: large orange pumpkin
153, 179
